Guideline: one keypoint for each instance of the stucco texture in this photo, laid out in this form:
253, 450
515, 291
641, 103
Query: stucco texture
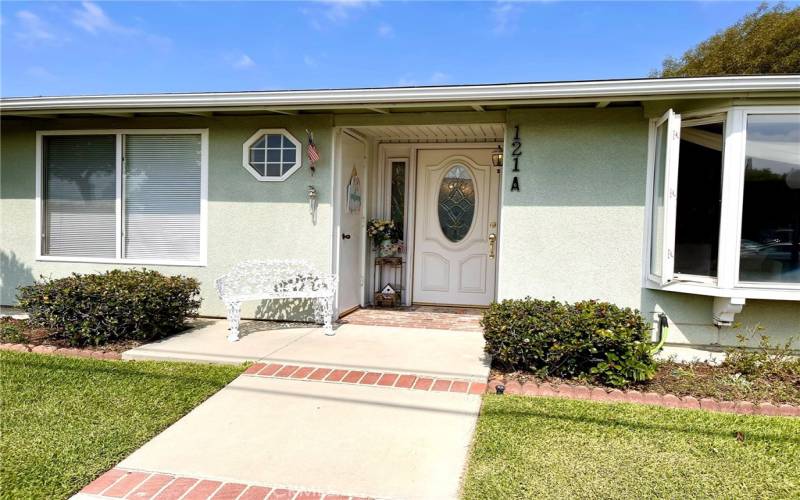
575, 229
247, 219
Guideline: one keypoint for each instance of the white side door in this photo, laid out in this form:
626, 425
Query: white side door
455, 232
351, 230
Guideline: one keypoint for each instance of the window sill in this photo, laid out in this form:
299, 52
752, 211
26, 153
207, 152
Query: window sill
125, 262
712, 290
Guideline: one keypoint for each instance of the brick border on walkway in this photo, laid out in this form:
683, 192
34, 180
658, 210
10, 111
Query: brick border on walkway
61, 351
363, 377
143, 485
651, 398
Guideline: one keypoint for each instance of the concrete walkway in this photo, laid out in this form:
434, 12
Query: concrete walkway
374, 412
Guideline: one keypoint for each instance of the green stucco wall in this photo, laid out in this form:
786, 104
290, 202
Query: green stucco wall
247, 219
575, 230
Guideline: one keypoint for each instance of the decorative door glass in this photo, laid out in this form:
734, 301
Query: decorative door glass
456, 203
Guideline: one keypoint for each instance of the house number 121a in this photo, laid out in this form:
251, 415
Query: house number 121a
516, 152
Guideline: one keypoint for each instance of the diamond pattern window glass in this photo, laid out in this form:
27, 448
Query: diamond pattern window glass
456, 203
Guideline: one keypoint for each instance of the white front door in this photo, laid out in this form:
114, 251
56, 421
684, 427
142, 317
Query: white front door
351, 233
456, 227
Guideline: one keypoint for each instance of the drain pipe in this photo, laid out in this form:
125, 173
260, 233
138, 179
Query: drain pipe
663, 332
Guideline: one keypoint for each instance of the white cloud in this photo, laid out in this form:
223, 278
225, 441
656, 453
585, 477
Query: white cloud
33, 28
385, 30
504, 16
334, 11
309, 61
93, 19
243, 62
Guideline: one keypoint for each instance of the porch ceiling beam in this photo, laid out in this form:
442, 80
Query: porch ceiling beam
602, 104
379, 110
478, 107
282, 111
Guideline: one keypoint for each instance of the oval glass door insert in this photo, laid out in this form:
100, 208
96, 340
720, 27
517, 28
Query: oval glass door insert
456, 203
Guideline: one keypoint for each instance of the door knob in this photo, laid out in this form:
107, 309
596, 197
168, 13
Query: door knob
492, 241
345, 236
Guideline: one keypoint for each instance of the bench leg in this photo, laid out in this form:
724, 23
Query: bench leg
324, 310
234, 315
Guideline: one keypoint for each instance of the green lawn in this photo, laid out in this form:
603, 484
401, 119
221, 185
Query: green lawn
64, 421
553, 448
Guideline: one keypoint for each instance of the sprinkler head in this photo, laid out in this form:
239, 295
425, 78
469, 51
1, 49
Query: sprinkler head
500, 389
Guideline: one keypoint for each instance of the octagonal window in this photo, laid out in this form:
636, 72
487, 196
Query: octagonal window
272, 154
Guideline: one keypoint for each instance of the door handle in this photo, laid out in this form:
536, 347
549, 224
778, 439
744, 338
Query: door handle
345, 236
492, 241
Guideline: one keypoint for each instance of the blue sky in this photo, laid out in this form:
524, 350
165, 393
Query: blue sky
123, 47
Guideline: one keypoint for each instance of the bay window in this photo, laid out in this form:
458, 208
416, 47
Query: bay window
724, 197
122, 196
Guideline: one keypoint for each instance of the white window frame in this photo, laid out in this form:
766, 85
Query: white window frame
298, 161
727, 283
202, 261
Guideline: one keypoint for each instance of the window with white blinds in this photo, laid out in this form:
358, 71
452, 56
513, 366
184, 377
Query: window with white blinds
162, 197
143, 204
80, 217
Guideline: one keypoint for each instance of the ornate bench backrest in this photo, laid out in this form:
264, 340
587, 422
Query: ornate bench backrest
272, 278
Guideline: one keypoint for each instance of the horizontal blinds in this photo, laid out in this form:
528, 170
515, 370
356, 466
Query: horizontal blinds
162, 197
79, 198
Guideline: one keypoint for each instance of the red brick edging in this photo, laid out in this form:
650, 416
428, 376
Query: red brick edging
123, 483
61, 351
361, 377
651, 398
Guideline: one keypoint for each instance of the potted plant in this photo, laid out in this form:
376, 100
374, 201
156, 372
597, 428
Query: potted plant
385, 237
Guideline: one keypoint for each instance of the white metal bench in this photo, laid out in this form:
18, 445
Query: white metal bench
276, 279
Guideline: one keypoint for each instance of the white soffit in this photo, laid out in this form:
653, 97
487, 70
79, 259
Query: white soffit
474, 132
380, 98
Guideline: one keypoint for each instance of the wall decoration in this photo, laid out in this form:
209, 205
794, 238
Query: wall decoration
312, 152
312, 203
354, 193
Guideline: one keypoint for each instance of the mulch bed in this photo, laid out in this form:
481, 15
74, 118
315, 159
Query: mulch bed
697, 380
20, 335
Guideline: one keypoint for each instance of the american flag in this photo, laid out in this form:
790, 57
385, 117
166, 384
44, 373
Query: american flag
311, 150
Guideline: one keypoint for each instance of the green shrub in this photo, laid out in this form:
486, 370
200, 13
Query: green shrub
589, 339
95, 309
13, 330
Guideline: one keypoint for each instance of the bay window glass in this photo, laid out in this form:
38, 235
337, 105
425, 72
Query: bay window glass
79, 196
770, 244
657, 220
699, 199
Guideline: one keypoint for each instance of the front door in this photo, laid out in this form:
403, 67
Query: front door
351, 215
456, 227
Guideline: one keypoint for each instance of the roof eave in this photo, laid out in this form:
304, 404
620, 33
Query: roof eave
489, 94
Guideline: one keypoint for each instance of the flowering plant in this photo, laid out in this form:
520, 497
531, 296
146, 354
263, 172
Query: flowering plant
380, 230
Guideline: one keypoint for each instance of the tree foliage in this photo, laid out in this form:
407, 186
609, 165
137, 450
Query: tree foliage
763, 42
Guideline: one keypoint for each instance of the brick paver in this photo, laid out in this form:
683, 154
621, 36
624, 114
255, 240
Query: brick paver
465, 319
122, 483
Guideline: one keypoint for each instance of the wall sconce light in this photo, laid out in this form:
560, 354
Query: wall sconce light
497, 158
